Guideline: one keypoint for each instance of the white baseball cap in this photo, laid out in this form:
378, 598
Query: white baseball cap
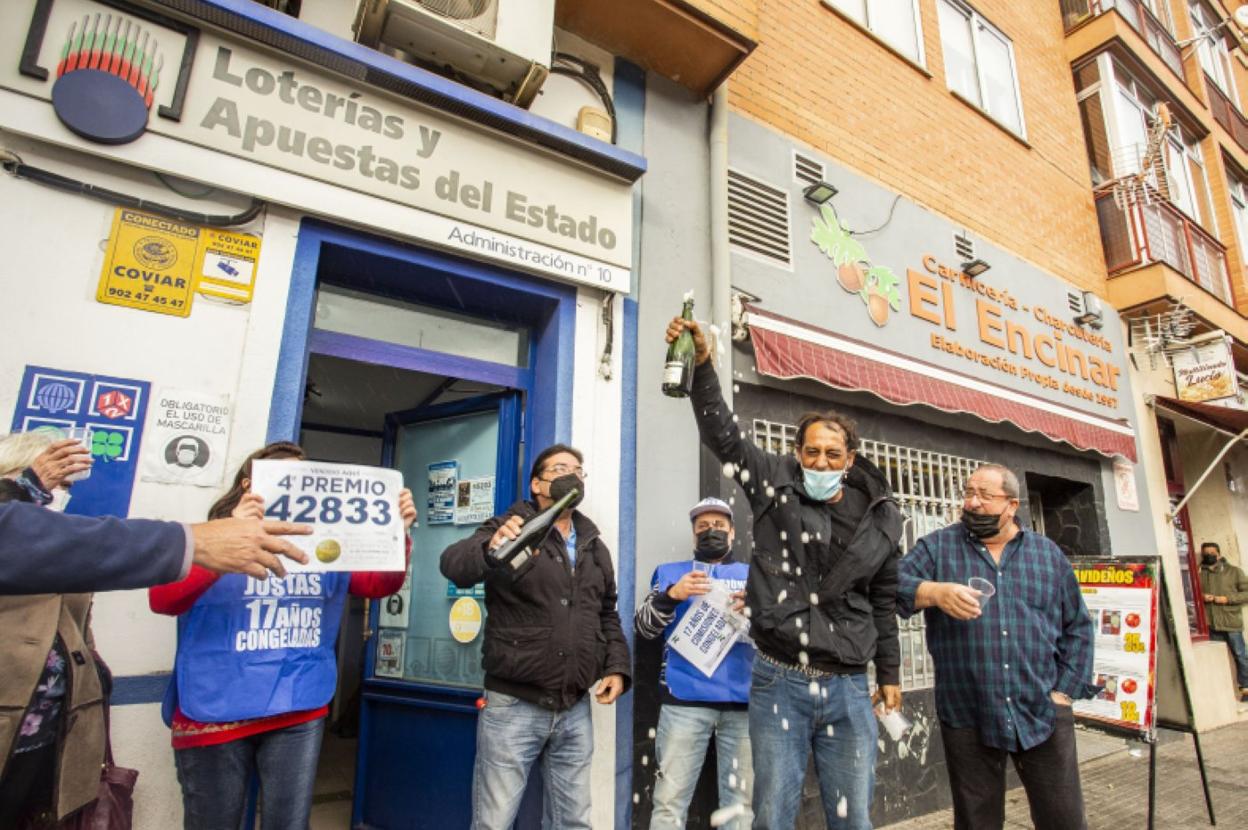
710, 505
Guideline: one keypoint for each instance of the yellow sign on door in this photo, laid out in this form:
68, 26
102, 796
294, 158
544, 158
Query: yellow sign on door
149, 263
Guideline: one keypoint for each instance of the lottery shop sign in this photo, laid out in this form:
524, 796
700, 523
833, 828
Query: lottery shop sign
1121, 595
353, 511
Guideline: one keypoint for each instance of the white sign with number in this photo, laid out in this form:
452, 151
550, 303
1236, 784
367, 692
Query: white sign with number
353, 511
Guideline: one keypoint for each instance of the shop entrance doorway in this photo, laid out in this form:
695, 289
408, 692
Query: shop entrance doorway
428, 364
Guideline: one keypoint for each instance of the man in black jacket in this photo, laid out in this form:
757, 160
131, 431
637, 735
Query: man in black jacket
821, 597
552, 630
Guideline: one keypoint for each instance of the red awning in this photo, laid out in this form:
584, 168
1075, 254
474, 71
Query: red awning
1232, 421
788, 349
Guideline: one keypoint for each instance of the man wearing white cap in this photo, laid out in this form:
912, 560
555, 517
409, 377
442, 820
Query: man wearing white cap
696, 705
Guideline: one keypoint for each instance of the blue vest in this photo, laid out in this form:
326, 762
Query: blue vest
250, 648
731, 681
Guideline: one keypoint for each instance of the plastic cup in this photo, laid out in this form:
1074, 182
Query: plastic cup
986, 589
83, 436
895, 723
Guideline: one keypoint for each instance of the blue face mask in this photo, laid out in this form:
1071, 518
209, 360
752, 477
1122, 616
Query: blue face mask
822, 485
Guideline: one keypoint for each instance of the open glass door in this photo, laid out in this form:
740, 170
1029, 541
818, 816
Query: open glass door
423, 657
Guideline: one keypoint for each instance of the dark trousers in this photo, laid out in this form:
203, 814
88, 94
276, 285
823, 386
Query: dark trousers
26, 789
1049, 771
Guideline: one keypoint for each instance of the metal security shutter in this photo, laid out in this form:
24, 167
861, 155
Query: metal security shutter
758, 218
928, 486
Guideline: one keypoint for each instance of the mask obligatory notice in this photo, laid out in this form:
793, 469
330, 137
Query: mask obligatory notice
822, 485
712, 545
561, 486
981, 525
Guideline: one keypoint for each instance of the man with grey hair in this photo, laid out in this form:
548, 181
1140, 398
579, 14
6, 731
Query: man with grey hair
1012, 642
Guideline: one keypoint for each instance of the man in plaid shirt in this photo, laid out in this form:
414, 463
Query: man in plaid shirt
1008, 664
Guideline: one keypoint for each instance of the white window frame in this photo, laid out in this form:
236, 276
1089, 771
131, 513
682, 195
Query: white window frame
919, 58
1214, 59
1239, 212
1123, 84
978, 24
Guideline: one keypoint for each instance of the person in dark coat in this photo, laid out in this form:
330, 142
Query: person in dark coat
552, 630
821, 597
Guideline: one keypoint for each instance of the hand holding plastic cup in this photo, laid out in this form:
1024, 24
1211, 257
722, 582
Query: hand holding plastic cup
986, 589
83, 436
894, 722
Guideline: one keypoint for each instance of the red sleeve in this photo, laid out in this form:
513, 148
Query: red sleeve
178, 597
378, 584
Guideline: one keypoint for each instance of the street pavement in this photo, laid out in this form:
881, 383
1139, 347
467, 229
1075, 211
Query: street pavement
1115, 785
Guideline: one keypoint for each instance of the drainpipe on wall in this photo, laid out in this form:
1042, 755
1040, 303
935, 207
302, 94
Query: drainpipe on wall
721, 277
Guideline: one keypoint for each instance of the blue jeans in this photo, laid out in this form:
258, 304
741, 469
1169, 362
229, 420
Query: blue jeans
214, 779
684, 732
1235, 642
787, 721
513, 735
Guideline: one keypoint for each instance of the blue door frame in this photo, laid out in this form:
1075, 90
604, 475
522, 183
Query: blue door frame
327, 254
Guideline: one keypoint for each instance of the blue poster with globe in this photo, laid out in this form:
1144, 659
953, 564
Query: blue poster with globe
112, 411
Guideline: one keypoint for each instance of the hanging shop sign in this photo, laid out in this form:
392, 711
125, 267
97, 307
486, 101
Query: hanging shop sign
353, 511
1204, 370
1122, 597
112, 412
188, 437
474, 190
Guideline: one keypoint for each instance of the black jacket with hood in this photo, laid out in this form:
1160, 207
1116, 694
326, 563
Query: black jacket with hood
853, 619
551, 630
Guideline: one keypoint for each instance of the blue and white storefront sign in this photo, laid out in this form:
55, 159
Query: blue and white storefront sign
111, 408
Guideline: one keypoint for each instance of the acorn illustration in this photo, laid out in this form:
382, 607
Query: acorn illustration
851, 276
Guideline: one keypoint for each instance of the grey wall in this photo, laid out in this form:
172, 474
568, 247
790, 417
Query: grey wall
675, 258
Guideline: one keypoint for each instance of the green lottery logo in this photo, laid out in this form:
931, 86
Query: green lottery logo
106, 444
875, 285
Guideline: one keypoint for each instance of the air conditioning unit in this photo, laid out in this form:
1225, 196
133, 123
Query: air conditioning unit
504, 45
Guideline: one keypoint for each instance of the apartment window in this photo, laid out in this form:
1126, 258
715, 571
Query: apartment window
1186, 181
1239, 209
896, 22
979, 63
1215, 58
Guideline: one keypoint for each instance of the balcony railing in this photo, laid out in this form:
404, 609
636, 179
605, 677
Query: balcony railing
1159, 232
1227, 114
1140, 18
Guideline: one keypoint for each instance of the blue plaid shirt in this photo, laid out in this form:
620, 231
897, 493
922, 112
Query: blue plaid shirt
995, 673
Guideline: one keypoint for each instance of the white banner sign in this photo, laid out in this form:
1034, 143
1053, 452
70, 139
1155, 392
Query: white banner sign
708, 630
188, 434
353, 510
502, 198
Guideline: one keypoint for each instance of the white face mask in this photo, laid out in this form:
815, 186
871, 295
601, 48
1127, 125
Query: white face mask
60, 500
186, 457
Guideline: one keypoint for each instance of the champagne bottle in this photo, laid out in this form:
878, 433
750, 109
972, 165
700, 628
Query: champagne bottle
678, 370
532, 533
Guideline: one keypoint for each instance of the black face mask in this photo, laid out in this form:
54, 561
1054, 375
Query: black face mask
981, 525
712, 545
561, 486
1209, 559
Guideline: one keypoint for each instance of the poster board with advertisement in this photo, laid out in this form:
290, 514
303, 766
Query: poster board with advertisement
1204, 370
1123, 596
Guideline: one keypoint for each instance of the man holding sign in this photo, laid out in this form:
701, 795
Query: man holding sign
687, 601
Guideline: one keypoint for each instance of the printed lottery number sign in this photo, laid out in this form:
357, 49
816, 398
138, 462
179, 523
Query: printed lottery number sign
354, 512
